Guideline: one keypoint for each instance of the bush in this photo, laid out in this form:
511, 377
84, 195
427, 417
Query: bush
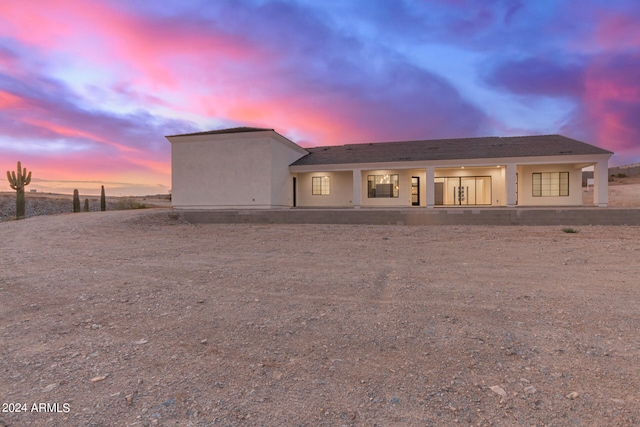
569, 230
128, 203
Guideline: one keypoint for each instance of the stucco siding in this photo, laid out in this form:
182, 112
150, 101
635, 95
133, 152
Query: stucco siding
340, 195
224, 174
281, 179
525, 186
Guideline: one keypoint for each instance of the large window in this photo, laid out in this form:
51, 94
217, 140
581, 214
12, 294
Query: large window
550, 184
382, 186
320, 185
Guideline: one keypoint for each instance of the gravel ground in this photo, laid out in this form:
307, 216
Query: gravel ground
134, 318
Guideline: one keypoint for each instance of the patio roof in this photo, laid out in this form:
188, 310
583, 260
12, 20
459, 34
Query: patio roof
448, 149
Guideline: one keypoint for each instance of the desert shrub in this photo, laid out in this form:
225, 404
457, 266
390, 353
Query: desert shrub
128, 203
569, 230
622, 175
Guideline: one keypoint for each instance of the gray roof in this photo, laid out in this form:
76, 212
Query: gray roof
448, 149
221, 131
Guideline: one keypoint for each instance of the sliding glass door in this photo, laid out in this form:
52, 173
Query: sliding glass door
463, 190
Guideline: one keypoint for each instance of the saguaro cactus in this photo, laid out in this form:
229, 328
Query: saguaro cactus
103, 200
76, 201
18, 180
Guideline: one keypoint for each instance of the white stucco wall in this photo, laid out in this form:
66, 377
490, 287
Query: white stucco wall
404, 189
525, 185
231, 171
341, 190
281, 179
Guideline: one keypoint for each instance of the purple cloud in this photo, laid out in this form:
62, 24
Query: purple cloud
538, 76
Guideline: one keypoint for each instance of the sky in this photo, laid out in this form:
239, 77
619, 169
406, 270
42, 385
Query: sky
89, 88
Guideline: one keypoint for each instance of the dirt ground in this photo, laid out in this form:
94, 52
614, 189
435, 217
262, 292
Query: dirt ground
624, 192
134, 318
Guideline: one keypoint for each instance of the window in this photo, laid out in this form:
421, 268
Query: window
320, 185
382, 186
550, 184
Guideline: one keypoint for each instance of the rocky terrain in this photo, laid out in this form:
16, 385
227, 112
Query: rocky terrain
52, 204
135, 318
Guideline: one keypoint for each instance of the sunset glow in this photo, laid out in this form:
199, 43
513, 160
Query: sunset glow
88, 89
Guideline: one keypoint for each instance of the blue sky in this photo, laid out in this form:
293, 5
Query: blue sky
88, 89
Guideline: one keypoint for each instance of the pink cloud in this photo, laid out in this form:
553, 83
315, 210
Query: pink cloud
66, 132
102, 33
612, 100
79, 166
33, 23
8, 100
612, 81
206, 70
619, 32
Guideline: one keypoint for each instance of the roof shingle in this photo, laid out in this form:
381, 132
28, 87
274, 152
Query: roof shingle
448, 149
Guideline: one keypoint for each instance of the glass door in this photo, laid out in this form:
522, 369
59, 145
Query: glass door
415, 191
467, 190
463, 190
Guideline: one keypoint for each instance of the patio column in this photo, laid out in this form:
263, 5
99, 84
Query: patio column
601, 183
430, 186
357, 188
510, 184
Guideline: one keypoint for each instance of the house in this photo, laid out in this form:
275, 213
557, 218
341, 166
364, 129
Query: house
254, 168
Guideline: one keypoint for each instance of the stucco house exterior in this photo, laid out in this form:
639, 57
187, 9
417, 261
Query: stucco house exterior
255, 168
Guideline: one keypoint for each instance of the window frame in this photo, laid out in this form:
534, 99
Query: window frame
547, 184
321, 185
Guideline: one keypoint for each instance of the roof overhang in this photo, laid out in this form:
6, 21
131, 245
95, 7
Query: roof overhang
582, 160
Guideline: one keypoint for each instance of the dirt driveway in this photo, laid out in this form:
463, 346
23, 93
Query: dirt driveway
132, 318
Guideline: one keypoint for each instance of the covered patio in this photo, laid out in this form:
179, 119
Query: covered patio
513, 183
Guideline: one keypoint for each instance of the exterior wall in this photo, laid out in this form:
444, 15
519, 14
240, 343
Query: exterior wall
404, 187
341, 190
525, 186
281, 179
231, 171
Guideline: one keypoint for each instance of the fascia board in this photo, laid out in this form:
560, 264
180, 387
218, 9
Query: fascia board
220, 137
